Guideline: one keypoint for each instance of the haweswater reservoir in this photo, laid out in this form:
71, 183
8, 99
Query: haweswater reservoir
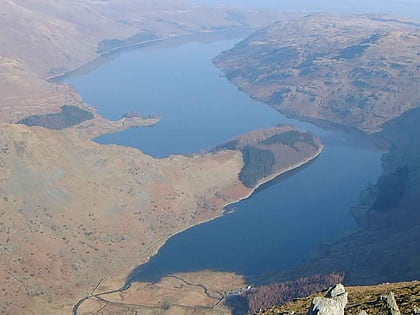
283, 221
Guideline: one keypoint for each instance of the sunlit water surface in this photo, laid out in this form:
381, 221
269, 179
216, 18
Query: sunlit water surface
283, 221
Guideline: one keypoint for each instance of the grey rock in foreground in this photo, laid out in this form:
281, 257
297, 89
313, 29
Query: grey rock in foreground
332, 304
392, 304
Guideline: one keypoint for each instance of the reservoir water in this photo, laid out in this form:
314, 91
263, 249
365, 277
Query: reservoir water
280, 224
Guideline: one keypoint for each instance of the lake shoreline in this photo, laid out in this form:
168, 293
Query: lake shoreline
122, 278
277, 174
326, 124
252, 191
123, 283
58, 78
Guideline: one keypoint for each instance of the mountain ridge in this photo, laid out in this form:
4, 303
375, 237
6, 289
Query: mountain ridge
343, 69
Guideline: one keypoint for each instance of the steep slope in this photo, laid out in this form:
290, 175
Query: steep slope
386, 247
24, 93
354, 70
361, 72
55, 36
74, 212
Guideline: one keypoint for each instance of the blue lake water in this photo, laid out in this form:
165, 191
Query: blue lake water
279, 225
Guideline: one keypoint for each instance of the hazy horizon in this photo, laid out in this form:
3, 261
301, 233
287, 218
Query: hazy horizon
409, 8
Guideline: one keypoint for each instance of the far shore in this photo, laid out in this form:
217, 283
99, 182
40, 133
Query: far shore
96, 61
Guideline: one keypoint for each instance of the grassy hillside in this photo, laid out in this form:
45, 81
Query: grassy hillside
73, 212
369, 299
359, 71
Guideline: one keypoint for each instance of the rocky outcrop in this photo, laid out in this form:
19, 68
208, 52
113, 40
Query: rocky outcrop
265, 296
384, 299
335, 301
332, 304
392, 305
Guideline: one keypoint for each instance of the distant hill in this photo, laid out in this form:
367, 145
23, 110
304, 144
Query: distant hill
53, 36
359, 71
40, 39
